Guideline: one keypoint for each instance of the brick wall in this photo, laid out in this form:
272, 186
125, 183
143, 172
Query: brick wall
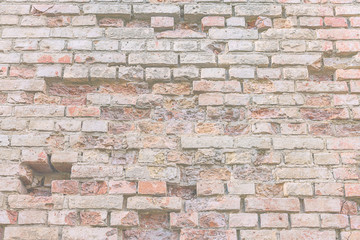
177, 119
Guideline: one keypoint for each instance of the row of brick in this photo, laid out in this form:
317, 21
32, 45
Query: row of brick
191, 11
52, 233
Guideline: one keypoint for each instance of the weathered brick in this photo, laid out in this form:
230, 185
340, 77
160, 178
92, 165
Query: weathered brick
272, 205
31, 232
154, 203
96, 202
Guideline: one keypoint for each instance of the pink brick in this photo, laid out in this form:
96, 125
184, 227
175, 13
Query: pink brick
334, 221
300, 220
122, 187
308, 235
352, 190
274, 220
335, 22
243, 220
322, 205
272, 204
355, 21
162, 22
208, 22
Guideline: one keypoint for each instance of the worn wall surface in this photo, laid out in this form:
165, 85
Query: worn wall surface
179, 119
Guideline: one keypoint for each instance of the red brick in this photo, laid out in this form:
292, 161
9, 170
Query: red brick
94, 188
93, 218
212, 220
152, 187
65, 186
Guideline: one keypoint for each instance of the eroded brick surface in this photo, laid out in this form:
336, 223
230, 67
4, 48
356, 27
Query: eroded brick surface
179, 119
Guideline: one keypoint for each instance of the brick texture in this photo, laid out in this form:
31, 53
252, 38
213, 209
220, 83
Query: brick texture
179, 119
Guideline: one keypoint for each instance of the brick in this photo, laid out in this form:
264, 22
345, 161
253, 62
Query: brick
272, 205
31, 232
153, 203
235, 22
63, 217
85, 232
153, 59
94, 126
274, 220
124, 218
152, 187
298, 158
12, 185
62, 161
330, 189
298, 189
303, 234
87, 171
305, 220
316, 10
298, 143
334, 221
46, 58
347, 10
258, 234
180, 220
37, 159
240, 45
207, 22
26, 33
326, 87
207, 188
255, 10
352, 190
203, 59
198, 233
322, 205
343, 143
123, 10
223, 203
65, 186
32, 217
250, 59
206, 142
233, 33
96, 202
129, 33
248, 220
82, 111
93, 218
303, 173
162, 23
194, 12
35, 202
351, 235
337, 34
